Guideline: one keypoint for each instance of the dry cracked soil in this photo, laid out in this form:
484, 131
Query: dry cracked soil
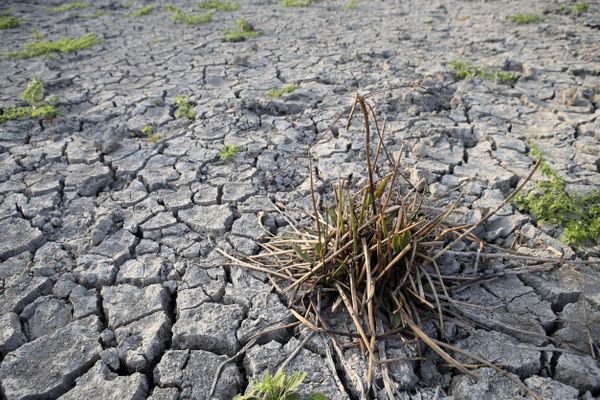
110, 285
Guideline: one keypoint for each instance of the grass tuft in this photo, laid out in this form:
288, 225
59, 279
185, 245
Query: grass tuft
181, 17
243, 29
64, 45
8, 21
463, 69
278, 387
36, 107
275, 92
69, 7
143, 11
218, 5
578, 214
228, 151
579, 8
350, 5
524, 18
296, 3
183, 108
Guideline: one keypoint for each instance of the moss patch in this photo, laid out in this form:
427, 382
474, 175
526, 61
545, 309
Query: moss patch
577, 213
278, 92
463, 69
524, 18
69, 7
64, 45
218, 5
7, 22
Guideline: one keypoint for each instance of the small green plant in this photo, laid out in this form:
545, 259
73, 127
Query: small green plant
278, 387
64, 45
218, 5
578, 214
36, 107
127, 5
148, 132
350, 5
183, 108
143, 11
579, 8
228, 151
242, 30
296, 3
524, 18
463, 69
69, 7
97, 14
275, 92
8, 21
181, 17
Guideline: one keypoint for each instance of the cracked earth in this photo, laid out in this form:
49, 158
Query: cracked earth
110, 284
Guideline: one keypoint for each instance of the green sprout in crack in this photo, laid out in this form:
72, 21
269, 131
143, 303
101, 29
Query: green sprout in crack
7, 22
278, 387
36, 107
69, 7
350, 5
143, 11
296, 3
549, 201
64, 45
276, 93
183, 108
218, 5
148, 132
579, 8
463, 69
181, 17
228, 151
242, 30
524, 18
97, 14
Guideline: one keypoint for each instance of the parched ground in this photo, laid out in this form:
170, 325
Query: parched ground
110, 287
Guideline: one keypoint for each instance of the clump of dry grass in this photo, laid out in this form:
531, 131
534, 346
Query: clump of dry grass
375, 253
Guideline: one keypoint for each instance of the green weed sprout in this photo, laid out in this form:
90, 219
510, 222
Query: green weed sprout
64, 45
350, 5
296, 3
69, 7
143, 11
578, 214
242, 30
181, 17
276, 93
37, 107
523, 18
8, 21
278, 387
463, 69
218, 5
228, 151
183, 108
579, 8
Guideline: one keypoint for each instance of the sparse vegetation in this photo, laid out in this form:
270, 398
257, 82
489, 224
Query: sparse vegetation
463, 69
37, 106
64, 45
141, 12
242, 30
184, 108
578, 214
228, 151
8, 21
524, 18
97, 14
296, 3
579, 8
181, 17
350, 5
218, 5
127, 5
278, 387
69, 7
278, 92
